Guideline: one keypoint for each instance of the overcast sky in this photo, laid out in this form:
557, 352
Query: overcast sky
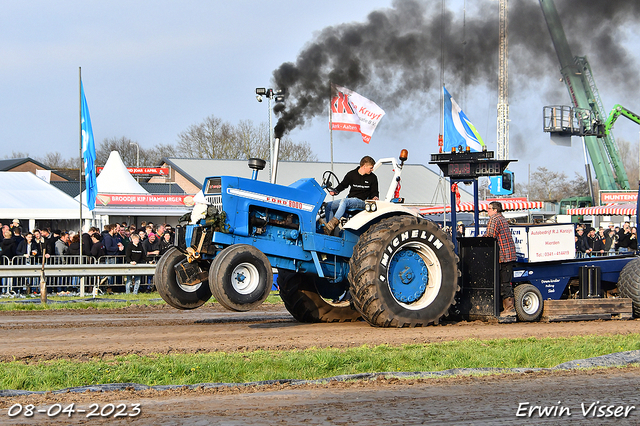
153, 68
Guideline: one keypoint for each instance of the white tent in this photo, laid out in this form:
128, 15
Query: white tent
116, 179
25, 196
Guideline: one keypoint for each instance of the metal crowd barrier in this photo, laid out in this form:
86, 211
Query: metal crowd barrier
581, 255
67, 273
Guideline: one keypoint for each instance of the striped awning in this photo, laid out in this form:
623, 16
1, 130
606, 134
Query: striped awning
628, 209
507, 204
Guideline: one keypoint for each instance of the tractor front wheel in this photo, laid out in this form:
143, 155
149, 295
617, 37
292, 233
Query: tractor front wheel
175, 294
240, 277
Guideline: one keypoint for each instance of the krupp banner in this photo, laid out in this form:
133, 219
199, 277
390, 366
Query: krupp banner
351, 112
144, 200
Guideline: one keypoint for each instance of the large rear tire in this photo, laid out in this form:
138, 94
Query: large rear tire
528, 301
304, 301
240, 277
403, 273
629, 284
177, 295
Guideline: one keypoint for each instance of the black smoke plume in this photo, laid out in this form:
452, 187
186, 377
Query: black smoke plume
394, 56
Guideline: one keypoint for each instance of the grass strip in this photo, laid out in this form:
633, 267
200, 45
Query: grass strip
237, 367
101, 302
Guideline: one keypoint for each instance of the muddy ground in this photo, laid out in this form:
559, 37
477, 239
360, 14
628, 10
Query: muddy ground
84, 334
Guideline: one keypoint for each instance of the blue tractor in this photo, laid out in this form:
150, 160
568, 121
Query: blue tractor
386, 264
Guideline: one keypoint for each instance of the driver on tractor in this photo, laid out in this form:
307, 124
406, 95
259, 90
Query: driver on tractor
364, 186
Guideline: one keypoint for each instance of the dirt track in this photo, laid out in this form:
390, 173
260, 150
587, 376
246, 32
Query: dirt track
142, 330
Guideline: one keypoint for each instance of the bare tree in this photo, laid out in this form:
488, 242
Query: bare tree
130, 152
629, 154
291, 151
214, 138
18, 154
210, 139
547, 185
54, 161
578, 187
159, 152
252, 139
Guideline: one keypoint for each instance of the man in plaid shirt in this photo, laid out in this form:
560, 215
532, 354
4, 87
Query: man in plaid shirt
498, 228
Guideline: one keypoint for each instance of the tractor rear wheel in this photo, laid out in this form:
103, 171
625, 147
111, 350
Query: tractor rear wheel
302, 298
175, 294
629, 284
403, 273
240, 277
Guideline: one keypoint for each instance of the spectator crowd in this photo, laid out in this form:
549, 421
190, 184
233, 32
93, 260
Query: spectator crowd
116, 243
605, 241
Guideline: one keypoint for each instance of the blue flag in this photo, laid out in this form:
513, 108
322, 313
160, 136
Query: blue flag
88, 153
458, 130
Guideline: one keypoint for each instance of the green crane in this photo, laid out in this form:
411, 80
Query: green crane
587, 115
616, 112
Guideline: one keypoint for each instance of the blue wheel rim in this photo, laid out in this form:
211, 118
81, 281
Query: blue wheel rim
408, 275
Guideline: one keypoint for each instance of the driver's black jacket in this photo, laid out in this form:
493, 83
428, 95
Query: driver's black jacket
364, 187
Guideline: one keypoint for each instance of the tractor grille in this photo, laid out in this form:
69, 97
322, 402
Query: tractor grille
215, 200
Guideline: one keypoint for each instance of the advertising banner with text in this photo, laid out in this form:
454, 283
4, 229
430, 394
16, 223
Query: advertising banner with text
144, 200
155, 171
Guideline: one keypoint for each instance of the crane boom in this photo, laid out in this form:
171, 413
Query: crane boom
503, 86
577, 75
616, 112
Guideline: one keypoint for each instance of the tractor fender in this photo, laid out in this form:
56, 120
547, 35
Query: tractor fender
383, 209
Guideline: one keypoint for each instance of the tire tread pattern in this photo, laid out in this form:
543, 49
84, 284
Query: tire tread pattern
168, 288
362, 273
301, 298
629, 284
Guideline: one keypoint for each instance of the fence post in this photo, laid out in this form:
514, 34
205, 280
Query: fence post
43, 281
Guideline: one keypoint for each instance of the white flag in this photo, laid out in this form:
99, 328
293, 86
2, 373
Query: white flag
351, 112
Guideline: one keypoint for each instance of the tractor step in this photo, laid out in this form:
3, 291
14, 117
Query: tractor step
587, 309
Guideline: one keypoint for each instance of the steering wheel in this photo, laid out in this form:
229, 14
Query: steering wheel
328, 178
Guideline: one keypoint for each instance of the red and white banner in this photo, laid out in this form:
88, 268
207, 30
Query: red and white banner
628, 209
351, 112
144, 200
156, 171
507, 204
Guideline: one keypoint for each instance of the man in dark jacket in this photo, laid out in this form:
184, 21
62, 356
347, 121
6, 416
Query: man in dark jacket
111, 243
17, 236
8, 245
363, 186
624, 235
49, 242
135, 254
87, 242
152, 247
112, 247
582, 245
97, 245
8, 249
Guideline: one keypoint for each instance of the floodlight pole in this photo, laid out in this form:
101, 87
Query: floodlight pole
137, 157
